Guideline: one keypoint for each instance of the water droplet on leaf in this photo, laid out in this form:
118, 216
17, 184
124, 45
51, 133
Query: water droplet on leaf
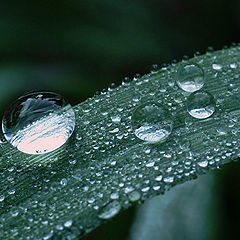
201, 104
134, 196
38, 122
68, 223
190, 77
178, 98
114, 196
110, 210
203, 163
63, 182
159, 178
2, 198
168, 179
116, 119
233, 65
152, 122
216, 66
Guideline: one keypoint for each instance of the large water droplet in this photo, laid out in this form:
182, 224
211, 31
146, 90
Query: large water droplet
201, 104
152, 122
190, 77
38, 122
110, 210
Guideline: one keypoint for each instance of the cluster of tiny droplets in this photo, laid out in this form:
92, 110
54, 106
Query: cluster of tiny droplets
122, 170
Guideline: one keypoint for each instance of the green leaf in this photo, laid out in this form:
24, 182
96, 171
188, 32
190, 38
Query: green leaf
104, 168
183, 213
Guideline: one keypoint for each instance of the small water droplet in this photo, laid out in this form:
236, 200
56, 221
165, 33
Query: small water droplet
63, 182
128, 189
150, 164
91, 200
113, 163
190, 77
216, 66
233, 65
2, 198
152, 122
155, 188
203, 163
178, 98
168, 179
72, 161
115, 130
116, 119
68, 223
59, 227
11, 192
48, 236
114, 196
38, 122
110, 210
134, 196
159, 178
222, 130
201, 104
104, 111
145, 189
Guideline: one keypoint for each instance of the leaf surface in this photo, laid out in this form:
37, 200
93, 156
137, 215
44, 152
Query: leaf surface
104, 168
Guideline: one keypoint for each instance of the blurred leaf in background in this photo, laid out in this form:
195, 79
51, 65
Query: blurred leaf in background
183, 213
78, 47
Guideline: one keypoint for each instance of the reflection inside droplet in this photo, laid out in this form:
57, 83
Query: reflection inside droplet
38, 122
200, 104
190, 77
152, 122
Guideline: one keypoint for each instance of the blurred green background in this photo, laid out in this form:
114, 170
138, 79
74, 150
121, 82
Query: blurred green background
78, 47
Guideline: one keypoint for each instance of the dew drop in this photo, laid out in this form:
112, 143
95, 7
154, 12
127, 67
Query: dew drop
233, 65
216, 66
91, 200
11, 192
128, 189
190, 77
203, 163
38, 122
222, 130
2, 198
110, 210
114, 196
178, 98
159, 178
59, 227
134, 196
68, 223
201, 104
116, 119
145, 189
113, 163
48, 236
152, 122
63, 182
168, 179
155, 188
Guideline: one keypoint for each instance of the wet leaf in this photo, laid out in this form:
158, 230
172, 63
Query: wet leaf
104, 168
